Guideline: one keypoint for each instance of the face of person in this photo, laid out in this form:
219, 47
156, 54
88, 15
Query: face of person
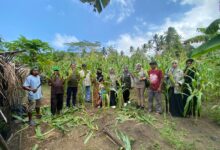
99, 71
126, 69
153, 66
84, 67
112, 71
174, 64
138, 67
35, 72
56, 72
73, 66
189, 63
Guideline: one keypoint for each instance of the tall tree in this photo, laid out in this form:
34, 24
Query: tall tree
82, 46
173, 43
34, 50
157, 43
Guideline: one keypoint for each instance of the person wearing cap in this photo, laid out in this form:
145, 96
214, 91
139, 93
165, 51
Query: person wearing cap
189, 76
72, 85
86, 77
139, 79
57, 91
32, 84
174, 80
154, 91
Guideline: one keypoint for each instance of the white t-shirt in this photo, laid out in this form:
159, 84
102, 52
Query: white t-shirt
33, 82
86, 81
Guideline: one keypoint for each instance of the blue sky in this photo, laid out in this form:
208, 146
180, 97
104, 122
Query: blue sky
121, 24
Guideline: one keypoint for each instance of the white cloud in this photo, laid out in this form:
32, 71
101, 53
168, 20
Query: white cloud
60, 40
119, 10
202, 14
49, 7
124, 42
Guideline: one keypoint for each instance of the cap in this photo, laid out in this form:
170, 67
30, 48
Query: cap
55, 68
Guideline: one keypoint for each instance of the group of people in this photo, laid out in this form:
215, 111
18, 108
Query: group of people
177, 81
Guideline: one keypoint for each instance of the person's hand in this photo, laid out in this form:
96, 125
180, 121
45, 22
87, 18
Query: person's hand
159, 89
170, 74
34, 90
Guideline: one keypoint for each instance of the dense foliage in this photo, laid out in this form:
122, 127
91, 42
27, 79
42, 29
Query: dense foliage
166, 48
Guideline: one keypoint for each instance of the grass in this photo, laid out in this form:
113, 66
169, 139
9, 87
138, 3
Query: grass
175, 136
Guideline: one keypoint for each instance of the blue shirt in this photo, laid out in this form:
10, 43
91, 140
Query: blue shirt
33, 82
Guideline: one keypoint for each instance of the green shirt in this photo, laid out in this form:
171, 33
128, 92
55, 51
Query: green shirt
73, 79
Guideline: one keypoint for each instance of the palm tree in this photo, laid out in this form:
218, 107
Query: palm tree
158, 43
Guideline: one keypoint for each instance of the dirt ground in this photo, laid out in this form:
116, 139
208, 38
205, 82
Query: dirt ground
203, 134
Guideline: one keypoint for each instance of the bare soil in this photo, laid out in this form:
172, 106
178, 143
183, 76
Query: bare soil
203, 133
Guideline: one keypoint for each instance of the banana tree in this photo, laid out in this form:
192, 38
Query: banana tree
210, 39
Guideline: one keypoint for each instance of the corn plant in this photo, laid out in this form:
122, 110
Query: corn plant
125, 139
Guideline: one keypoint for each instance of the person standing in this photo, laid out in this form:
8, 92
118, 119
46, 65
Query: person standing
72, 85
113, 88
155, 78
189, 76
96, 88
86, 76
32, 84
174, 79
139, 79
57, 90
126, 85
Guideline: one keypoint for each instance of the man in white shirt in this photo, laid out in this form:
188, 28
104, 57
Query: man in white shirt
33, 85
86, 76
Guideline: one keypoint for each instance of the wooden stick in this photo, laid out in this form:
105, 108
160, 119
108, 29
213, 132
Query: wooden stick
114, 139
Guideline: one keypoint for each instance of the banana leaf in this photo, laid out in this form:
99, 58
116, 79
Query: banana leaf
213, 27
209, 46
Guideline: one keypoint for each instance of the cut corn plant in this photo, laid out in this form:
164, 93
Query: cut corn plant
125, 139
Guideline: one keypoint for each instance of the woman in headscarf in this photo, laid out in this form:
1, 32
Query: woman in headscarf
126, 85
189, 76
175, 79
139, 79
113, 87
96, 83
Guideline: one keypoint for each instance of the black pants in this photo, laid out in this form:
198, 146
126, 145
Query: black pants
126, 95
71, 91
176, 105
113, 96
56, 103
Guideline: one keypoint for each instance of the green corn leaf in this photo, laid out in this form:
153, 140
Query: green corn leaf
88, 137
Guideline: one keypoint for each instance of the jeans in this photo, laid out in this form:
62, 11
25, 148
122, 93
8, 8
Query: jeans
88, 93
157, 95
71, 91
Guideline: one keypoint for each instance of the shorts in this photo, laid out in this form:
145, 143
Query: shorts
32, 104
